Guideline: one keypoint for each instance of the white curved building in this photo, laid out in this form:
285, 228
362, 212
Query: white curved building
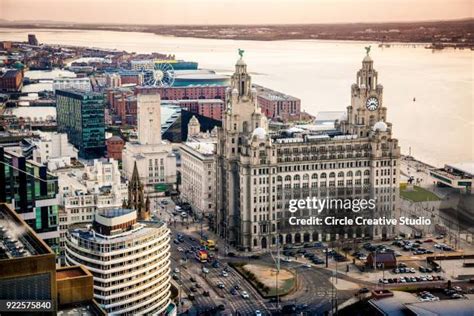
130, 261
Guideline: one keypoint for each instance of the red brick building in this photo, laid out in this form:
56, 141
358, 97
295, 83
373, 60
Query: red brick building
115, 146
11, 80
189, 93
123, 104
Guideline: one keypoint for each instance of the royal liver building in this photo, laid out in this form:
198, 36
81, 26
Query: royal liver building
261, 171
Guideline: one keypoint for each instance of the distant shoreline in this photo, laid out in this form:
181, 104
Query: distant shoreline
438, 34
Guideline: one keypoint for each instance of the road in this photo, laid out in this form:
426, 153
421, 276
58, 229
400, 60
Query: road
189, 267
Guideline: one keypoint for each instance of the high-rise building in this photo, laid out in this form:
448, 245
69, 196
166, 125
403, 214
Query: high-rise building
129, 259
32, 191
32, 40
153, 156
260, 172
81, 115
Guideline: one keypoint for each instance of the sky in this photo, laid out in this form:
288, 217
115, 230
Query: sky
234, 11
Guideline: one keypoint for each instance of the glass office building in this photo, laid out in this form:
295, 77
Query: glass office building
81, 115
32, 191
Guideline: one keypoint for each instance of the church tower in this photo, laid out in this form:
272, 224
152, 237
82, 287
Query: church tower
366, 107
136, 199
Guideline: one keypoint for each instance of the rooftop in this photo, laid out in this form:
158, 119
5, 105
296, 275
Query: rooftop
205, 148
273, 95
9, 73
71, 272
17, 239
466, 167
116, 212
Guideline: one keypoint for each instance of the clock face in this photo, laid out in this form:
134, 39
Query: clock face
372, 104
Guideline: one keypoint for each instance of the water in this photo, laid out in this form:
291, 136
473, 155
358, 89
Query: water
438, 127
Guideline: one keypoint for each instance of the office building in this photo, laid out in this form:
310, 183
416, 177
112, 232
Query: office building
81, 116
129, 259
32, 191
259, 172
198, 170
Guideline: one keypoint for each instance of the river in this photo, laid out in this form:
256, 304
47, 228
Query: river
438, 126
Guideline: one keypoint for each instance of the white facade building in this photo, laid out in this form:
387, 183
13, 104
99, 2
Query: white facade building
85, 191
53, 149
259, 172
83, 84
198, 172
129, 260
155, 160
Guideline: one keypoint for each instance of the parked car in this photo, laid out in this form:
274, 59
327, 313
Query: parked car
244, 294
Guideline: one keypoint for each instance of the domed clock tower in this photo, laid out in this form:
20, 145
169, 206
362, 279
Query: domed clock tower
366, 100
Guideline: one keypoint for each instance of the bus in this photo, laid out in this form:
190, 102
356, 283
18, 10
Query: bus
201, 256
209, 244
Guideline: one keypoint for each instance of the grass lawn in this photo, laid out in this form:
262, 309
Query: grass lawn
418, 195
257, 280
284, 289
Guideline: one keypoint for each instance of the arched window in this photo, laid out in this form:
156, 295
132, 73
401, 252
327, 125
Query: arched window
349, 173
287, 178
296, 177
323, 175
332, 175
340, 174
279, 179
314, 176
358, 173
366, 172
305, 177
